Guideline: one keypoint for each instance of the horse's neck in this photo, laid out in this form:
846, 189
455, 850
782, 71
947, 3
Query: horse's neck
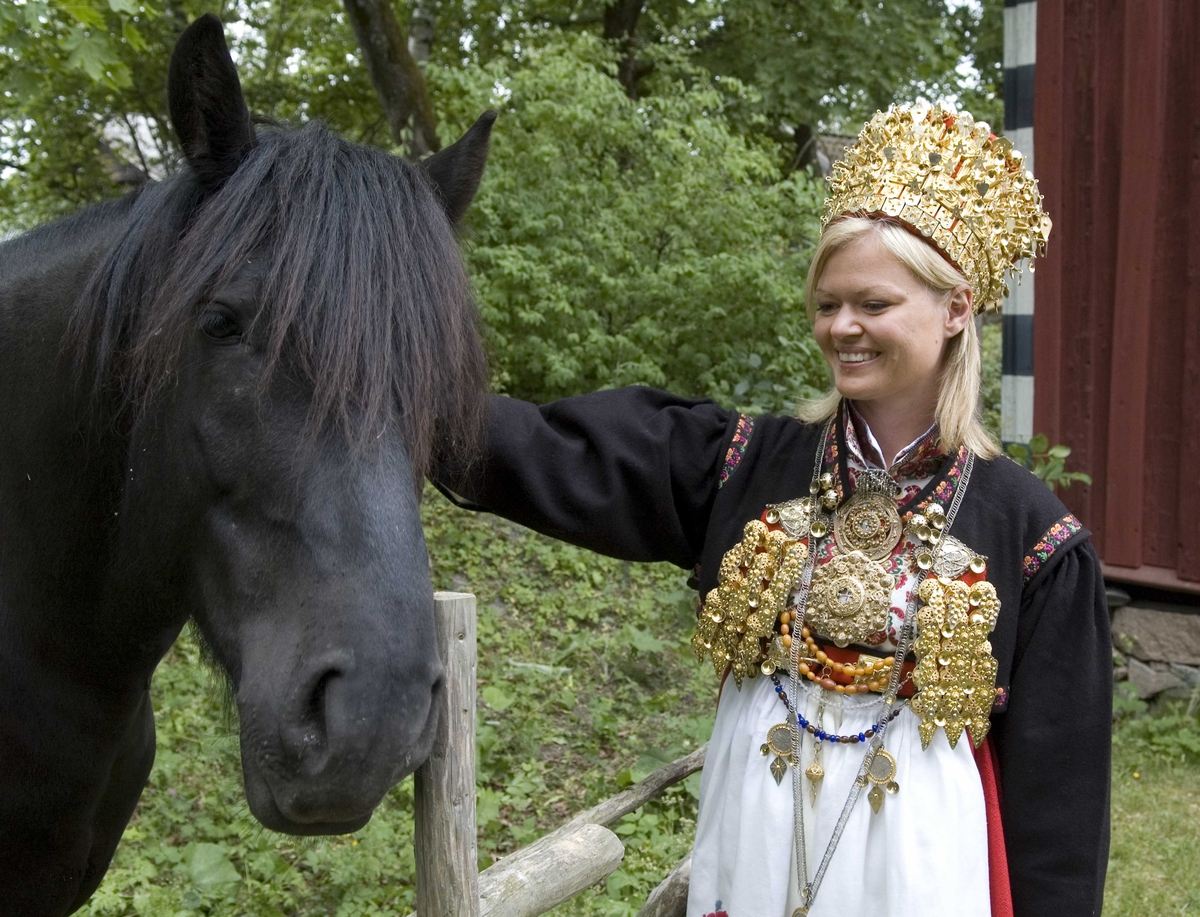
59, 482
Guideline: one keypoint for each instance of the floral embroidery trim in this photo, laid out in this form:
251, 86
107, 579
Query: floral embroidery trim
1001, 697
1057, 535
922, 459
737, 448
944, 492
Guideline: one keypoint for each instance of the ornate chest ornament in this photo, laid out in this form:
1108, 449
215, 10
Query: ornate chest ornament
850, 598
868, 522
851, 594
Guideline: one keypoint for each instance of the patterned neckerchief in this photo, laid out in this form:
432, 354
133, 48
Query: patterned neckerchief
913, 466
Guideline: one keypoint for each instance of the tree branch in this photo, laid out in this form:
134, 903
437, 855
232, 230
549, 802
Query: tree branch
396, 76
137, 147
120, 171
620, 26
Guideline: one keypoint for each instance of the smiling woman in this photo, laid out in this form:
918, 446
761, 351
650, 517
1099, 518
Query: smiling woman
910, 586
893, 318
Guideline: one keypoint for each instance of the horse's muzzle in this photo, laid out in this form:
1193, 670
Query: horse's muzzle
341, 740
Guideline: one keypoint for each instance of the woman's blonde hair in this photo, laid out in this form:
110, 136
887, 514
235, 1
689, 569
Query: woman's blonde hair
957, 410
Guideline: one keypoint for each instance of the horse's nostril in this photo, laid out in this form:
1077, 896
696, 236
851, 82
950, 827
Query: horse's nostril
316, 699
308, 737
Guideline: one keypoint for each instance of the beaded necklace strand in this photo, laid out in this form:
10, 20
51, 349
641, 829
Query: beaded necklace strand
821, 735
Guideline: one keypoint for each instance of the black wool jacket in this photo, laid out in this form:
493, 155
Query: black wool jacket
641, 474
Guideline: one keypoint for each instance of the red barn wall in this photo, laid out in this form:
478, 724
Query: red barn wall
1117, 322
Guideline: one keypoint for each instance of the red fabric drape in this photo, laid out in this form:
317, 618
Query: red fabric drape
985, 759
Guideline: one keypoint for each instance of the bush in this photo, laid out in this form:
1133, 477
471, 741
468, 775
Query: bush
616, 241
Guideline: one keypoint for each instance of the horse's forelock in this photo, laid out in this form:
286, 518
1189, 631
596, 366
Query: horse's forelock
365, 296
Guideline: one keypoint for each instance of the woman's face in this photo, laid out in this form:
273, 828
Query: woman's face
882, 331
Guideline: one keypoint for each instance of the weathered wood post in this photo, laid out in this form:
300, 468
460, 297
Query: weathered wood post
532, 880
444, 842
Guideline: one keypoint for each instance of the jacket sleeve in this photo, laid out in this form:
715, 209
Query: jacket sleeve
1055, 741
629, 472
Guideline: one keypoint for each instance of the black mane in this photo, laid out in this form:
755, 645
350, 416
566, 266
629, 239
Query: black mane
365, 297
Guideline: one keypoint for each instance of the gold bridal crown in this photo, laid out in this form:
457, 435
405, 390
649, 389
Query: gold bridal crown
949, 177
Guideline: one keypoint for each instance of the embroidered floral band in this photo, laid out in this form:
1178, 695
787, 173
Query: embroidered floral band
1055, 538
737, 447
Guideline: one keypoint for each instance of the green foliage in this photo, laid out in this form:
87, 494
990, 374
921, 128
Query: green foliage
615, 242
586, 685
833, 64
1047, 462
1154, 860
829, 64
1171, 734
83, 90
658, 241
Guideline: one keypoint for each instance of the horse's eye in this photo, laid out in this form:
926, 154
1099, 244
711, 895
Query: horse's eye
219, 324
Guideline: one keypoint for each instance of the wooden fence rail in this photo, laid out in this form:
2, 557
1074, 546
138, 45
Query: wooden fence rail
549, 871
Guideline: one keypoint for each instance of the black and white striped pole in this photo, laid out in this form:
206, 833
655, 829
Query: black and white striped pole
1020, 52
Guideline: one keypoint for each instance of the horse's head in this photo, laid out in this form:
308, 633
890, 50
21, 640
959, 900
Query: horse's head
292, 326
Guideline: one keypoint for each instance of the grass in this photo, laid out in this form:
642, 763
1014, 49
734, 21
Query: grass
586, 684
1154, 862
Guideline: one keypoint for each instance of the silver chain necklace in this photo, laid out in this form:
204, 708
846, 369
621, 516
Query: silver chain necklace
809, 888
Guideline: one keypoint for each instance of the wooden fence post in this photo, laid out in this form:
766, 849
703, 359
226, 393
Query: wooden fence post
444, 841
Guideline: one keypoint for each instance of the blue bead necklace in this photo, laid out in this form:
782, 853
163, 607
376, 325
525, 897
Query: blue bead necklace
820, 734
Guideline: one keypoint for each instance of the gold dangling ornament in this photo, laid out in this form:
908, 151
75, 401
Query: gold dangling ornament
783, 756
753, 584
815, 773
882, 773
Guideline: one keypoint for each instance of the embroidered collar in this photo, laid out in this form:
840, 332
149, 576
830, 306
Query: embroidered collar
919, 459
933, 473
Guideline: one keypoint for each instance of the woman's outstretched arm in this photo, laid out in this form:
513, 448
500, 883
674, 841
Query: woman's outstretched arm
629, 472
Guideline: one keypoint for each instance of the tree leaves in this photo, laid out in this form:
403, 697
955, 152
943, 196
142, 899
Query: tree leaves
93, 54
210, 868
618, 242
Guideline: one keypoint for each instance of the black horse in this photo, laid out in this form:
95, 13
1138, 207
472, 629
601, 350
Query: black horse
218, 397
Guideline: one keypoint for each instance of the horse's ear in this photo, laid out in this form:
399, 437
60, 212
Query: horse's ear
207, 108
456, 170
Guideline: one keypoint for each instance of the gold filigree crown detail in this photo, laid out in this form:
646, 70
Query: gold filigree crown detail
947, 176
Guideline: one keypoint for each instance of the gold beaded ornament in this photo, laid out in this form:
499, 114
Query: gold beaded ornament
947, 176
756, 577
955, 673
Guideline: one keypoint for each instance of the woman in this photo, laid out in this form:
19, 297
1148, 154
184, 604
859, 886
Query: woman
918, 721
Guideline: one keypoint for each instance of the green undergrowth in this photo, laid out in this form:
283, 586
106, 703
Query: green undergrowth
586, 684
1154, 862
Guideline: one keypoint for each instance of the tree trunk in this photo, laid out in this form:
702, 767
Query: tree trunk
396, 76
806, 147
620, 26
420, 31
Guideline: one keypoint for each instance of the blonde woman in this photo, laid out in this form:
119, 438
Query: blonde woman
910, 629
